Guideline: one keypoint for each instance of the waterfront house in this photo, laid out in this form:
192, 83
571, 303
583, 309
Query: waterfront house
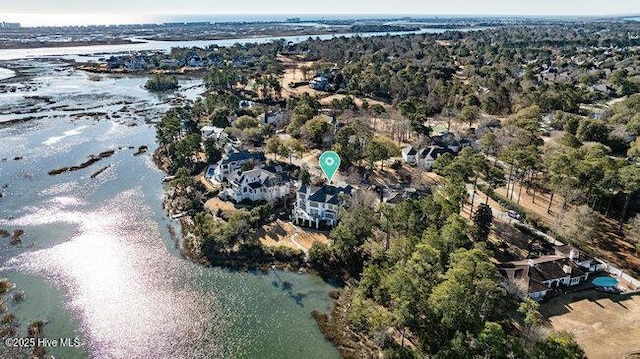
195, 61
114, 62
319, 205
233, 161
261, 184
409, 154
213, 132
136, 63
170, 63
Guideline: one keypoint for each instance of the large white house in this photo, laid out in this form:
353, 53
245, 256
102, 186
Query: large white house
316, 205
263, 184
427, 156
424, 157
214, 132
539, 276
232, 162
409, 154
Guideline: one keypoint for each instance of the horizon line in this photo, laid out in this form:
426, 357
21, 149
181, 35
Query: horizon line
175, 18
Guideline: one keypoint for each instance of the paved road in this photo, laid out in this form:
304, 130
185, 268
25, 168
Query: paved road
503, 215
310, 159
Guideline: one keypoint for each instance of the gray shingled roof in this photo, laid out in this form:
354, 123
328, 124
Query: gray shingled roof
409, 151
434, 152
243, 156
327, 193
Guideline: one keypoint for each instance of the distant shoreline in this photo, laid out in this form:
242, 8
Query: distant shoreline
15, 45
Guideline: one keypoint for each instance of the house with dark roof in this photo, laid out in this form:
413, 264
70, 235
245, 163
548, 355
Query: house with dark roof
316, 205
409, 154
262, 184
319, 83
214, 132
170, 63
232, 162
427, 156
393, 196
539, 276
196, 61
114, 62
585, 261
136, 63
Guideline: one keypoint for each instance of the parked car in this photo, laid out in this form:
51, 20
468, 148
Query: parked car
514, 214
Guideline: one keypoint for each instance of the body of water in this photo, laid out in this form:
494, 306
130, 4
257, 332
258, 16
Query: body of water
83, 53
97, 261
6, 74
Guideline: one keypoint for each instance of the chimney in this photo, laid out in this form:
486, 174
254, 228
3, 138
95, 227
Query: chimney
566, 269
573, 254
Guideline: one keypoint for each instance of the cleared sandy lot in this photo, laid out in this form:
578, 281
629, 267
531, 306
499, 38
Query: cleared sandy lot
606, 326
281, 233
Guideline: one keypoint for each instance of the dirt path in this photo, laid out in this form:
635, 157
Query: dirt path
541, 204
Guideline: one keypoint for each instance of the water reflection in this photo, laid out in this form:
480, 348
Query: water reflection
116, 274
103, 243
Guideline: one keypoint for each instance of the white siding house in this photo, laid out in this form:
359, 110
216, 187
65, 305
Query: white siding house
263, 184
409, 154
232, 162
427, 156
541, 275
212, 131
315, 205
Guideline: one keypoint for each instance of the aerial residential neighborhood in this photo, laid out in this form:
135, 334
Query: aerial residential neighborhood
222, 181
404, 169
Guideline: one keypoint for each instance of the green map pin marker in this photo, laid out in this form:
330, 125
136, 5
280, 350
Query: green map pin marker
329, 162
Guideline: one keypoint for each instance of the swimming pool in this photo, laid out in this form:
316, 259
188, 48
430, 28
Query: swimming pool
605, 282
211, 172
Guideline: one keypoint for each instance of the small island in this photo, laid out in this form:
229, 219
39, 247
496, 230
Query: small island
161, 83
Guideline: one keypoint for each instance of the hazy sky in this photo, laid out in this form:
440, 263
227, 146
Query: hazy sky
34, 12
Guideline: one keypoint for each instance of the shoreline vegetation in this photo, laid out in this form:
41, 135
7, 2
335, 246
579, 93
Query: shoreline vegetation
69, 36
418, 277
245, 256
10, 324
16, 45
